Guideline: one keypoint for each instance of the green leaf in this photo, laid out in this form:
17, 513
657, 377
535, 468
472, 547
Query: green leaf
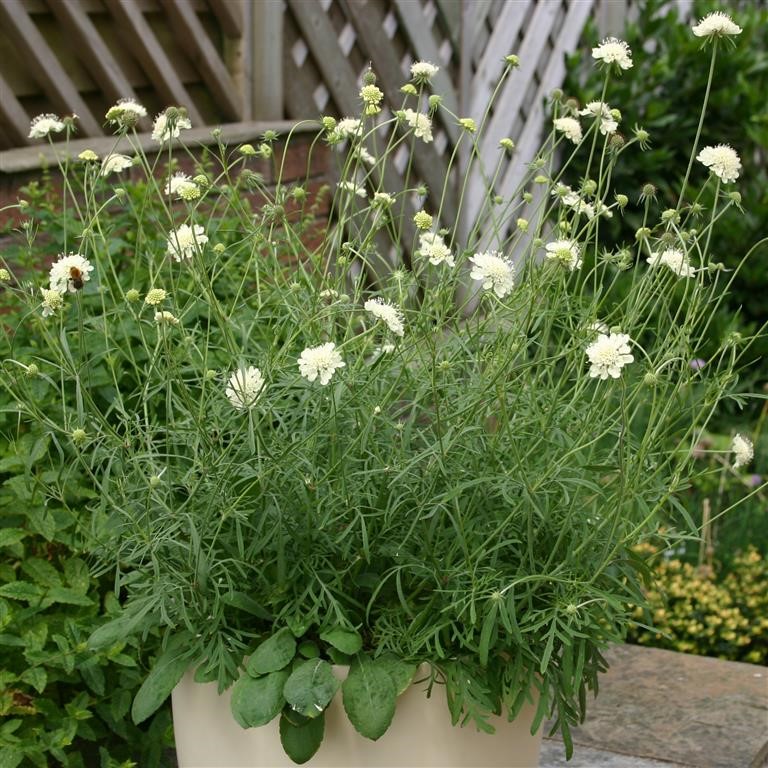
274, 653
11, 536
311, 687
162, 679
93, 675
345, 640
301, 741
37, 677
41, 572
22, 590
309, 650
66, 596
370, 698
400, 671
257, 701
77, 575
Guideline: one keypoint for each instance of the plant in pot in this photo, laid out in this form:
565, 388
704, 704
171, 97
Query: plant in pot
307, 469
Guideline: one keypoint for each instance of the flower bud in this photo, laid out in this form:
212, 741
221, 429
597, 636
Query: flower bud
507, 144
79, 436
88, 156
468, 124
435, 101
622, 200
735, 197
5, 275
557, 94
522, 225
670, 214
132, 295
642, 234
32, 370
369, 78
219, 248
422, 220
540, 179
527, 197
409, 89
589, 187
247, 150
329, 123
512, 60
651, 379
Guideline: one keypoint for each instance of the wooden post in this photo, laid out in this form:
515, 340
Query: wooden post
264, 51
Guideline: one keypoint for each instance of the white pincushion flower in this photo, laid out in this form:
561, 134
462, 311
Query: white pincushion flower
114, 164
569, 126
383, 199
743, 449
608, 355
69, 273
166, 128
365, 156
613, 51
495, 272
126, 113
182, 186
717, 24
608, 123
565, 252
52, 301
423, 71
721, 160
244, 387
43, 125
347, 128
387, 313
434, 248
353, 188
166, 318
320, 362
421, 124
183, 241
674, 259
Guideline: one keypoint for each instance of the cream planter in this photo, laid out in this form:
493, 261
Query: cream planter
421, 734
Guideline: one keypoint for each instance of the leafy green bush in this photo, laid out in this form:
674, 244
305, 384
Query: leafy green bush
698, 610
667, 56
60, 701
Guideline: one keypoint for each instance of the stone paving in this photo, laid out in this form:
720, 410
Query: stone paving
660, 709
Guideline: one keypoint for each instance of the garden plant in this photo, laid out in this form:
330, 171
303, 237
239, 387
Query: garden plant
294, 460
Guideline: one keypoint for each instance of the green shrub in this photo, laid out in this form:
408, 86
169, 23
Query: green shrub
61, 703
699, 610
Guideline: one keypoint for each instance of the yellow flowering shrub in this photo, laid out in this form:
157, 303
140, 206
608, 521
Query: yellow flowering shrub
694, 610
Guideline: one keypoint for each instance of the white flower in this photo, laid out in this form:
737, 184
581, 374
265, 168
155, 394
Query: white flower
613, 51
434, 248
166, 318
182, 186
42, 125
126, 112
384, 199
421, 124
365, 156
387, 313
744, 450
165, 129
423, 71
347, 128
674, 259
608, 355
495, 272
608, 123
598, 327
69, 273
566, 252
603, 210
244, 387
155, 296
52, 301
716, 24
353, 188
114, 164
570, 126
721, 160
320, 362
183, 241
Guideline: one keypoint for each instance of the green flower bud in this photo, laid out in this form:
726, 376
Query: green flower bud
422, 220
132, 295
512, 60
79, 436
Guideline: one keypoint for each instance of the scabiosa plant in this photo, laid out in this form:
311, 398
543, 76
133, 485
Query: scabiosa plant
455, 458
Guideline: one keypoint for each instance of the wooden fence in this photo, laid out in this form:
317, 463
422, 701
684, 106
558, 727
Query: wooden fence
248, 61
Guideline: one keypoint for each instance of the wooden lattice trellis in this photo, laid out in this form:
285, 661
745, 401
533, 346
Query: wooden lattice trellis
239, 61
